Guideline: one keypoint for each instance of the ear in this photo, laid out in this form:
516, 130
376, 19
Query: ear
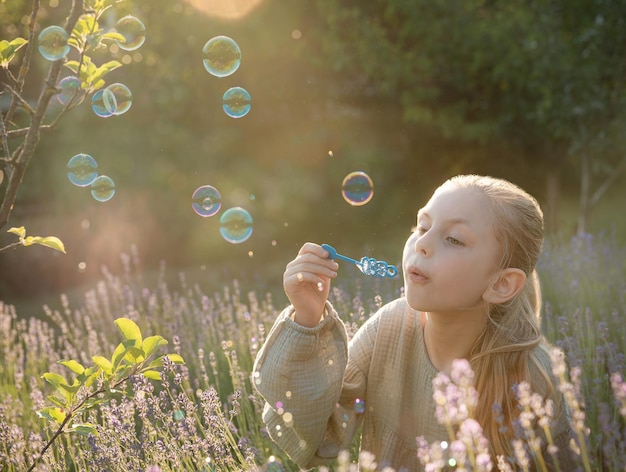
505, 285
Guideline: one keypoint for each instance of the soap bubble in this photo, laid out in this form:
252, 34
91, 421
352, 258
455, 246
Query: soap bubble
359, 406
103, 188
206, 201
236, 225
53, 43
357, 188
103, 103
274, 465
236, 102
82, 170
221, 56
70, 90
115, 99
119, 99
134, 32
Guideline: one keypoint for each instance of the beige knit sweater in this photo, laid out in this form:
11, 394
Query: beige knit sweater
319, 391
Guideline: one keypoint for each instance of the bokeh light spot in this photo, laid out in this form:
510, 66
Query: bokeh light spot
357, 188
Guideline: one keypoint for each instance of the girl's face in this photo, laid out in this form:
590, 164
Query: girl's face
452, 255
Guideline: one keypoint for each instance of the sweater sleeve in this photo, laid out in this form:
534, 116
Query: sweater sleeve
299, 372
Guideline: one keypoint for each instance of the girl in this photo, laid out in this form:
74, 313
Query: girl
470, 292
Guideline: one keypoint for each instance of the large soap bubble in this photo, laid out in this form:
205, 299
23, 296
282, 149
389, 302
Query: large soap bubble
236, 225
221, 56
53, 43
357, 188
103, 188
82, 169
134, 32
70, 90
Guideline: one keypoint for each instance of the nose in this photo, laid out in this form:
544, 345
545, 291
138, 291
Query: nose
422, 245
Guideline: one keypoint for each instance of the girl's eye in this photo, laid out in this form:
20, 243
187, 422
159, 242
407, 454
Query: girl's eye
454, 241
418, 229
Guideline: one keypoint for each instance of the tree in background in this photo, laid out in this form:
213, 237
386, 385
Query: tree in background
546, 78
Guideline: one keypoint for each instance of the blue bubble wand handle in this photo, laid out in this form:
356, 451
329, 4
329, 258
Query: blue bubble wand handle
367, 265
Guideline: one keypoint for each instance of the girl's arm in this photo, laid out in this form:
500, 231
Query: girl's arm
299, 372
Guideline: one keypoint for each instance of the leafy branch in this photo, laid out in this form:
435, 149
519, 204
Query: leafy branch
95, 384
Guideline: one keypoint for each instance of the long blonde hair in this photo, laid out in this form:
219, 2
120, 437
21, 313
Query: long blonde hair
511, 349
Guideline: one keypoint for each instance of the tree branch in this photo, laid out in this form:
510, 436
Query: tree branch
30, 47
601, 190
22, 159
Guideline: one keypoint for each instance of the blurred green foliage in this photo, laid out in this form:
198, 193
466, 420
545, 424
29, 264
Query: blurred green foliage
409, 91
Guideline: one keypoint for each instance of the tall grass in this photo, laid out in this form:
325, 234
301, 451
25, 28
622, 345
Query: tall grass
206, 416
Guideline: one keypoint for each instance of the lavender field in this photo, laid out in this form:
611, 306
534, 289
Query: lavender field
204, 414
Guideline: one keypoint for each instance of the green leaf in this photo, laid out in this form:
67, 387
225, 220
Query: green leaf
74, 366
90, 374
52, 413
129, 330
84, 429
8, 50
73, 66
118, 355
21, 231
49, 241
151, 344
57, 401
152, 374
104, 364
175, 358
114, 36
55, 380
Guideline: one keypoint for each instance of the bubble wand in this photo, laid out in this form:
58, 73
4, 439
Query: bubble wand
367, 265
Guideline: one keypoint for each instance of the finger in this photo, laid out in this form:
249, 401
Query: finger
313, 248
317, 269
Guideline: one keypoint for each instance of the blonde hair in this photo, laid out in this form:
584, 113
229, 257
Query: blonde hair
511, 349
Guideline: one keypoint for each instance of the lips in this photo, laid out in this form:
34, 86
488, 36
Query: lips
416, 275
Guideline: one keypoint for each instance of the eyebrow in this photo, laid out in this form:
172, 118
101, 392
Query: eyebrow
450, 221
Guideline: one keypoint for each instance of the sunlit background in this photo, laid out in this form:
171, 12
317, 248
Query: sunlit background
407, 94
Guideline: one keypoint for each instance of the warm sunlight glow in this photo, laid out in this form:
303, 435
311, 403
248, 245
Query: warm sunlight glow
229, 9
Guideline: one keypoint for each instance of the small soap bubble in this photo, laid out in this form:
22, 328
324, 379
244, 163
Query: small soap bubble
53, 43
206, 201
357, 188
236, 225
179, 415
221, 56
320, 286
82, 170
236, 102
288, 418
359, 405
118, 98
103, 188
103, 103
274, 465
70, 90
134, 32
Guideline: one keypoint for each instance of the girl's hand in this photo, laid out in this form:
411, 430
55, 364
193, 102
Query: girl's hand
307, 283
